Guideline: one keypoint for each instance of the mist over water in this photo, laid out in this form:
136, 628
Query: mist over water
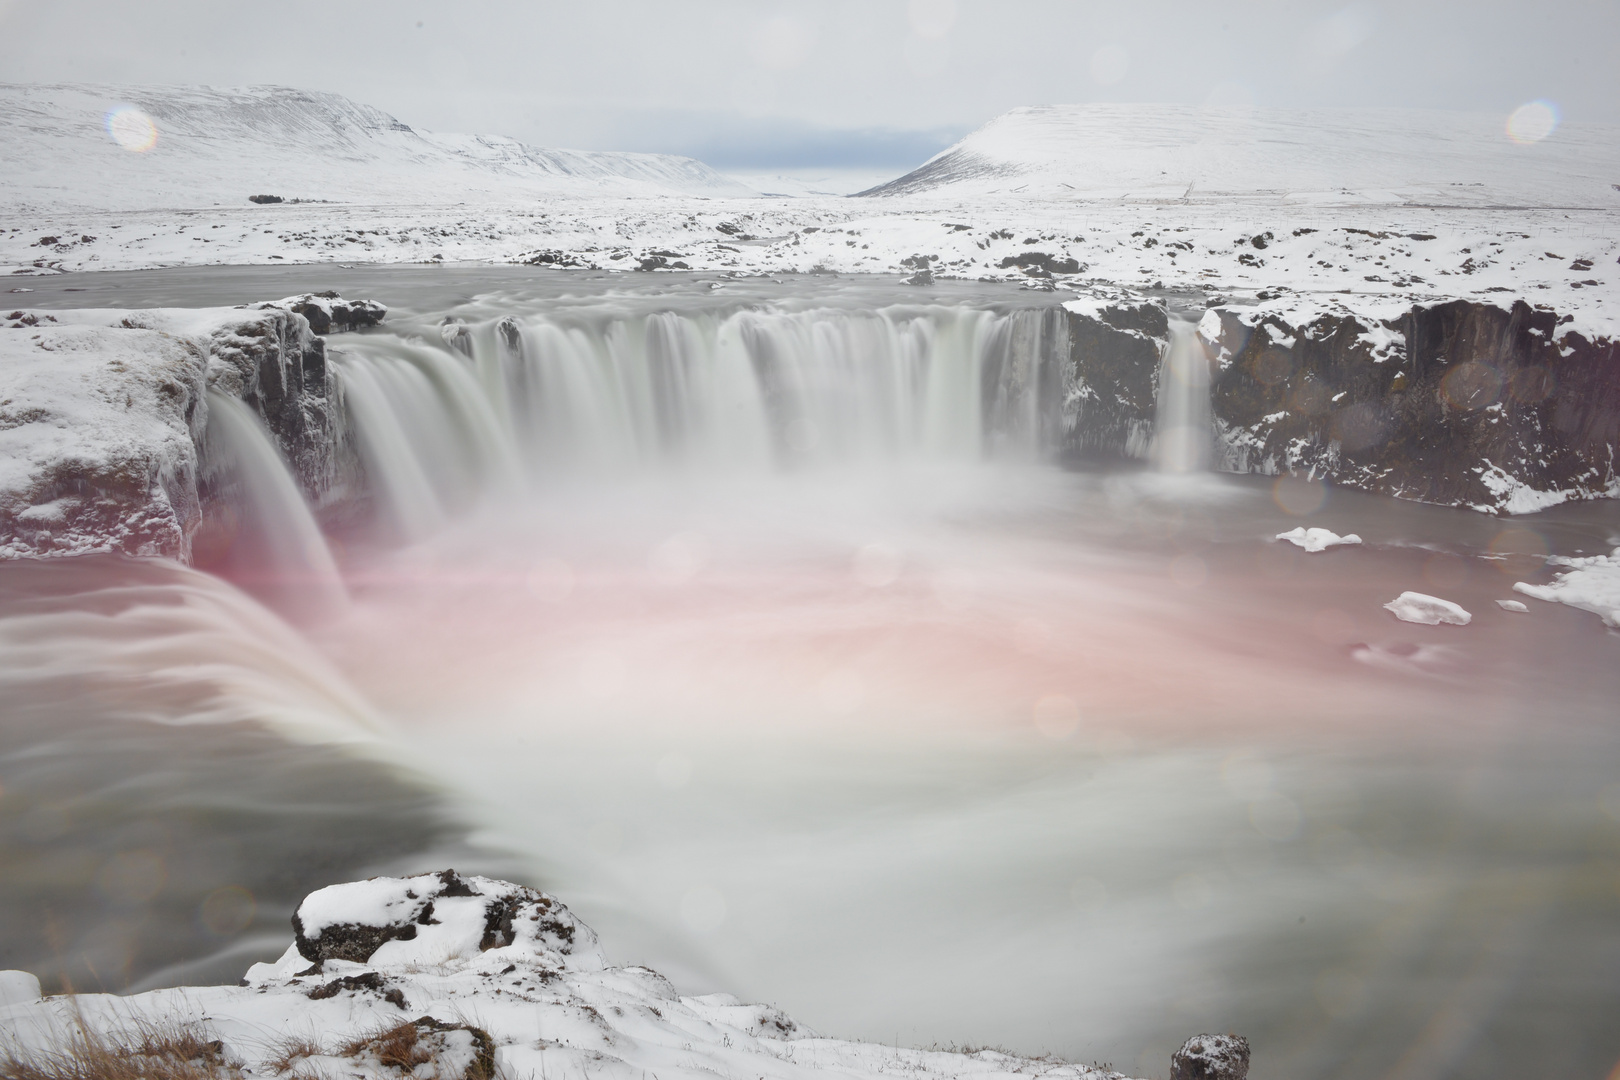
763, 629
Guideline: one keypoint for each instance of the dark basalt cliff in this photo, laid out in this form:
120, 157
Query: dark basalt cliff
1114, 352
1459, 403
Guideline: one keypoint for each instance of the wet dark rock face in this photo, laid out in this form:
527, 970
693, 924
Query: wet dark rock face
1114, 353
275, 364
1460, 403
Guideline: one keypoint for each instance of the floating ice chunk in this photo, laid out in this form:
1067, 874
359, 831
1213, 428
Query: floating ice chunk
1591, 584
1429, 610
1511, 605
1317, 539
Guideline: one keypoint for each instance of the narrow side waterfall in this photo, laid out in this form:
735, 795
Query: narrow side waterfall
513, 401
1182, 437
276, 547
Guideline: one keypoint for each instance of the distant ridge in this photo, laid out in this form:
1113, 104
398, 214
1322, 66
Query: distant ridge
1323, 156
223, 145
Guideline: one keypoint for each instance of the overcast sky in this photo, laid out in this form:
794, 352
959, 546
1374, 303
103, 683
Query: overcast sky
863, 83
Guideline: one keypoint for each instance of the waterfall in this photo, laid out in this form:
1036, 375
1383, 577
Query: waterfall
516, 400
278, 549
1182, 435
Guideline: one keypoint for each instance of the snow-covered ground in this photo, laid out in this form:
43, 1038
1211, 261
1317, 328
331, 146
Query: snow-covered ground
1363, 209
445, 977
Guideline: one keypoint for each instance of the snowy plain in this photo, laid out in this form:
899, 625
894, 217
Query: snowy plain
1297, 209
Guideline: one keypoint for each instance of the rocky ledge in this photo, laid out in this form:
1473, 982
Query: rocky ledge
1504, 408
445, 976
104, 415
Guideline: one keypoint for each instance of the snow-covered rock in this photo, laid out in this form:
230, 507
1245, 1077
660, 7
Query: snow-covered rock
99, 427
327, 312
1211, 1057
1515, 606
1314, 540
222, 146
1316, 156
18, 988
104, 413
1416, 607
1591, 584
450, 977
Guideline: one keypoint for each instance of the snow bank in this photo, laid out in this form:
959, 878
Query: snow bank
1317, 539
1591, 584
475, 977
99, 427
1416, 607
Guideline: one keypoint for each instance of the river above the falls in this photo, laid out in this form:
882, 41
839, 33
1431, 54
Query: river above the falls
878, 715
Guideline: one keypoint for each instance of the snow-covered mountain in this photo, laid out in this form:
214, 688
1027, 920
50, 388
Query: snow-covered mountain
1325, 156
220, 146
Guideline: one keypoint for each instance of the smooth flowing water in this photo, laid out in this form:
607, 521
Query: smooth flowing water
757, 622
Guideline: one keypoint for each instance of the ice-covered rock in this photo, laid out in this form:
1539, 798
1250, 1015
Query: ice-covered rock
1211, 1057
1314, 540
1591, 584
1416, 607
445, 976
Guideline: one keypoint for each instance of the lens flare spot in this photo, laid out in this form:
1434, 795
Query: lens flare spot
1471, 386
1532, 122
1298, 495
1057, 716
932, 18
1518, 551
131, 128
679, 559
227, 911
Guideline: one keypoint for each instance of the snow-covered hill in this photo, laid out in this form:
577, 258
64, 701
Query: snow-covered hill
1325, 157
220, 146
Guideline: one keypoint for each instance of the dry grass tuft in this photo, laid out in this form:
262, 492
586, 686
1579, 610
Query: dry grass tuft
147, 1050
291, 1050
396, 1047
